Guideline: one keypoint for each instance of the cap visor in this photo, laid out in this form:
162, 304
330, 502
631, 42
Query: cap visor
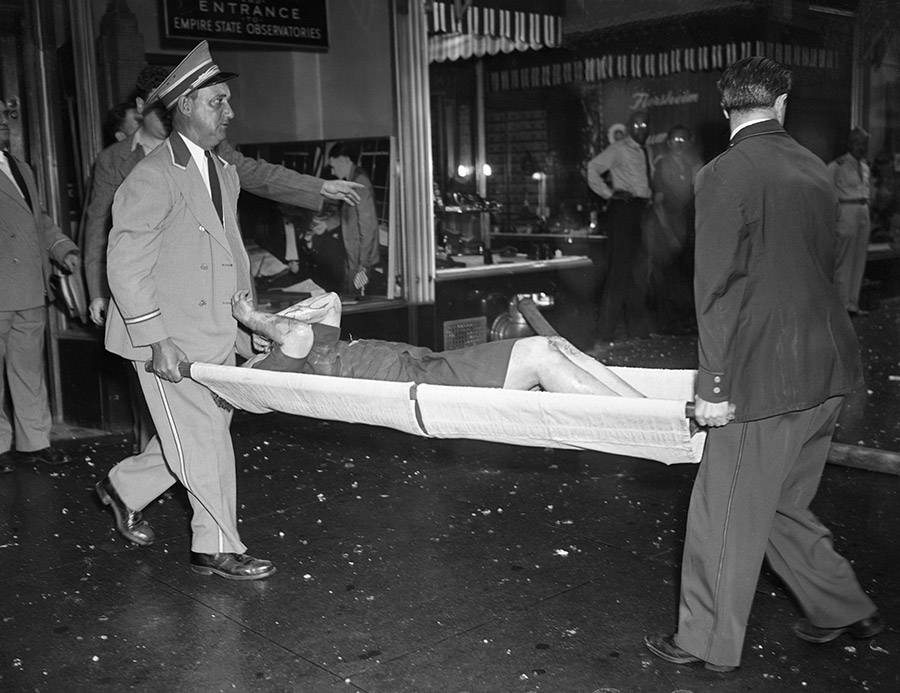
217, 78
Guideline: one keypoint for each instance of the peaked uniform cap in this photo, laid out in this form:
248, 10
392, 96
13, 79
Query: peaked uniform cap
196, 71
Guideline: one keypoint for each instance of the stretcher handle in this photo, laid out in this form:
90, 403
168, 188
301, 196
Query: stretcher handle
184, 368
533, 317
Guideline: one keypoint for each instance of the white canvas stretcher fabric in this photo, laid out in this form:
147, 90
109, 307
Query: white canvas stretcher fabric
653, 428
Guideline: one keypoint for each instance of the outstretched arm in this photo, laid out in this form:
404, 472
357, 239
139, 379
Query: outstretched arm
276, 182
291, 328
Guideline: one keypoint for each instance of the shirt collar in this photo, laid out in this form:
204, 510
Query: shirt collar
740, 127
198, 154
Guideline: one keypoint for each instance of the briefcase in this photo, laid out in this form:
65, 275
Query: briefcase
70, 290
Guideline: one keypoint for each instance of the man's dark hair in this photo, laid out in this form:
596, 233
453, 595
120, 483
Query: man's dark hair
753, 82
150, 77
115, 116
343, 149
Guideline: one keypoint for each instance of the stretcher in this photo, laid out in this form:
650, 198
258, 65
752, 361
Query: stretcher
656, 427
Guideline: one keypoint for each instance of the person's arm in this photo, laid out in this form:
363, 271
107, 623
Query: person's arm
368, 227
288, 328
363, 224
596, 167
97, 221
281, 184
722, 248
60, 247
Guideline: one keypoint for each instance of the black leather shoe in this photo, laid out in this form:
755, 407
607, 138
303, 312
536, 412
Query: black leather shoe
861, 630
7, 460
664, 647
231, 566
128, 522
49, 456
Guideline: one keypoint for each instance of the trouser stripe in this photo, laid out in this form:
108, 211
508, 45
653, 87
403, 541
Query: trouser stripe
181, 463
721, 569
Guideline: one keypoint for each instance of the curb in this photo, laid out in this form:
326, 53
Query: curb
859, 457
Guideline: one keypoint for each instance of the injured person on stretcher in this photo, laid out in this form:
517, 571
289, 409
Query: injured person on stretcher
305, 338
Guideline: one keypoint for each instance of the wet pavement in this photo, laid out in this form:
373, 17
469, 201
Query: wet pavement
406, 565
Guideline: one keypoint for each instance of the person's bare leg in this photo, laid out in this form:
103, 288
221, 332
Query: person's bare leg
543, 361
292, 336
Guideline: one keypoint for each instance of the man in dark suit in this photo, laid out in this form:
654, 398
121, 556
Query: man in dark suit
777, 355
29, 240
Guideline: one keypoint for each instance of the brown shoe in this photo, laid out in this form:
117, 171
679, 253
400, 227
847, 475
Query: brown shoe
128, 522
664, 647
861, 630
231, 566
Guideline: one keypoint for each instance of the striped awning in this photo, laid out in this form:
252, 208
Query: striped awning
464, 30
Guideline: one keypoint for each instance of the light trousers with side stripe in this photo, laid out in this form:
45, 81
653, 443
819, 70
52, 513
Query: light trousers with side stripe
193, 446
751, 499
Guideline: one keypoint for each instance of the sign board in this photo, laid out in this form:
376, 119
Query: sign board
301, 24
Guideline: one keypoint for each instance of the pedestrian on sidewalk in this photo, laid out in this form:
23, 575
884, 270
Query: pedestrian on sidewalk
850, 173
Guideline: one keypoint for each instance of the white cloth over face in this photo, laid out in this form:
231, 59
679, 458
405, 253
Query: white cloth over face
653, 428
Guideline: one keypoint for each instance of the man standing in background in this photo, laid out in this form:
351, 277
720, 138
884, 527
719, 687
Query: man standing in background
628, 163
850, 173
358, 225
29, 240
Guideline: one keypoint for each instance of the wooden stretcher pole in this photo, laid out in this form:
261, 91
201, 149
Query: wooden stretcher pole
539, 324
184, 368
533, 316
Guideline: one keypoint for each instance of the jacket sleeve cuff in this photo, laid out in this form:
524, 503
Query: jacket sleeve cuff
146, 329
62, 247
712, 386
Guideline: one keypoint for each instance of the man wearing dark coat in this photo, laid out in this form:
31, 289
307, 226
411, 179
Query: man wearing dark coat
777, 355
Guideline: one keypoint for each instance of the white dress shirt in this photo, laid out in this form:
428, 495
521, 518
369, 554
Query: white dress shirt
198, 154
4, 166
627, 165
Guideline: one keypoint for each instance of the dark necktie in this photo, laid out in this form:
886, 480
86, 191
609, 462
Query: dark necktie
17, 174
214, 188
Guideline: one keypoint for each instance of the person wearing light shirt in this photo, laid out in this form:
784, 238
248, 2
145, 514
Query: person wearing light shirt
851, 182
628, 164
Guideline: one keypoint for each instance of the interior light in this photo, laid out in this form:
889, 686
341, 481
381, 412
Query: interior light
463, 171
486, 169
